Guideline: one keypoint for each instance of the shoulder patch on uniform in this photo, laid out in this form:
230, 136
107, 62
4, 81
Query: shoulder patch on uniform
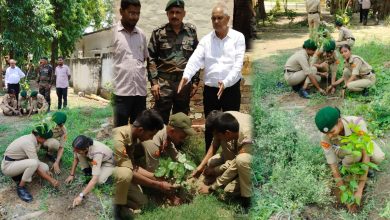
325, 145
157, 153
337, 62
353, 65
189, 25
159, 27
94, 163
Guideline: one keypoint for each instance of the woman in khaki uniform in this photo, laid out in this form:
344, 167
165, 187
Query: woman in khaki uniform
9, 104
358, 74
21, 160
90, 153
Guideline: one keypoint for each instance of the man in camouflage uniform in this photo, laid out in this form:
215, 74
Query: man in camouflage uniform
170, 47
45, 79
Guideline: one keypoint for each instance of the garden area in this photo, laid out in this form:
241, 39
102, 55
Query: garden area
292, 178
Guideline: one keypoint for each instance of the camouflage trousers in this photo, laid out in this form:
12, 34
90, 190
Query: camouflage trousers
45, 91
170, 100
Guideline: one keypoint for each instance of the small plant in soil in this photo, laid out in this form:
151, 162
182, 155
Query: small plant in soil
357, 143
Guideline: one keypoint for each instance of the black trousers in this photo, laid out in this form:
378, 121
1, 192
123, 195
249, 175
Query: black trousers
62, 93
230, 101
127, 108
361, 13
16, 88
365, 15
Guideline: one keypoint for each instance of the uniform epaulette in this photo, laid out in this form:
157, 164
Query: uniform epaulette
159, 27
189, 25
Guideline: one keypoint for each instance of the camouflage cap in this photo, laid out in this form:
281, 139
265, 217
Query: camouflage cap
326, 118
182, 121
42, 130
177, 3
59, 118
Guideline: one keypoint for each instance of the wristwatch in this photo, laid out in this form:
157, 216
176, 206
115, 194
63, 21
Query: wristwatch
81, 195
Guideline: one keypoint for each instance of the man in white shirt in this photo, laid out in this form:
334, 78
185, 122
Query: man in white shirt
13, 74
221, 53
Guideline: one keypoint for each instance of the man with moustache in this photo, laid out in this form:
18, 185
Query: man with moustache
45, 79
170, 47
221, 53
62, 75
130, 53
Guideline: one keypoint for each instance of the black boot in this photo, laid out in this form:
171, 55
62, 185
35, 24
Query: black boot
245, 203
303, 93
365, 92
296, 88
121, 212
24, 194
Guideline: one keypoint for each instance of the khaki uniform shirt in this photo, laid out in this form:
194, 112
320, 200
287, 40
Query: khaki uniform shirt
333, 61
313, 6
8, 101
169, 52
357, 66
25, 147
298, 61
97, 155
344, 34
123, 146
24, 103
60, 134
330, 146
158, 147
40, 102
243, 144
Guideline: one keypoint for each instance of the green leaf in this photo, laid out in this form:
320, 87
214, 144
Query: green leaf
357, 153
160, 172
353, 184
181, 158
372, 165
358, 201
343, 188
370, 148
189, 165
172, 165
344, 197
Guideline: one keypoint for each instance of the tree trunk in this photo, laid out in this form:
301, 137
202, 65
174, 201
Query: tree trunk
54, 51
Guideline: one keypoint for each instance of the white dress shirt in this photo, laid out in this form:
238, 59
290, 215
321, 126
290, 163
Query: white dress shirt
221, 59
13, 75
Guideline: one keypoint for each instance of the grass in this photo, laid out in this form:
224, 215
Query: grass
292, 179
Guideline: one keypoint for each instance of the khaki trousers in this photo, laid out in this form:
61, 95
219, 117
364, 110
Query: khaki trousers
349, 42
26, 167
106, 169
236, 173
314, 21
123, 177
360, 83
296, 78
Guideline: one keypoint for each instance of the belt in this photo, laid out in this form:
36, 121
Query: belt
372, 72
171, 76
316, 12
9, 158
351, 38
289, 71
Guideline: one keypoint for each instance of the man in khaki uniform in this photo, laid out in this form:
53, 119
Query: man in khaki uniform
326, 61
164, 142
313, 9
57, 142
38, 103
233, 132
9, 104
127, 139
90, 153
299, 74
345, 35
358, 74
21, 160
24, 103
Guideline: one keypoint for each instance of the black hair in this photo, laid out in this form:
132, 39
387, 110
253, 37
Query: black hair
225, 122
149, 120
210, 119
60, 57
82, 142
345, 46
126, 3
45, 58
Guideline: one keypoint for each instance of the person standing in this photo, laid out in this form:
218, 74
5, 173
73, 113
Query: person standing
170, 47
242, 15
366, 5
129, 76
13, 74
360, 10
221, 53
45, 79
313, 9
62, 74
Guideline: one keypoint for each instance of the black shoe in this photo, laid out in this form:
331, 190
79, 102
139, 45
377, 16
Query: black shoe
303, 93
296, 88
371, 174
121, 212
24, 194
51, 157
365, 92
246, 204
